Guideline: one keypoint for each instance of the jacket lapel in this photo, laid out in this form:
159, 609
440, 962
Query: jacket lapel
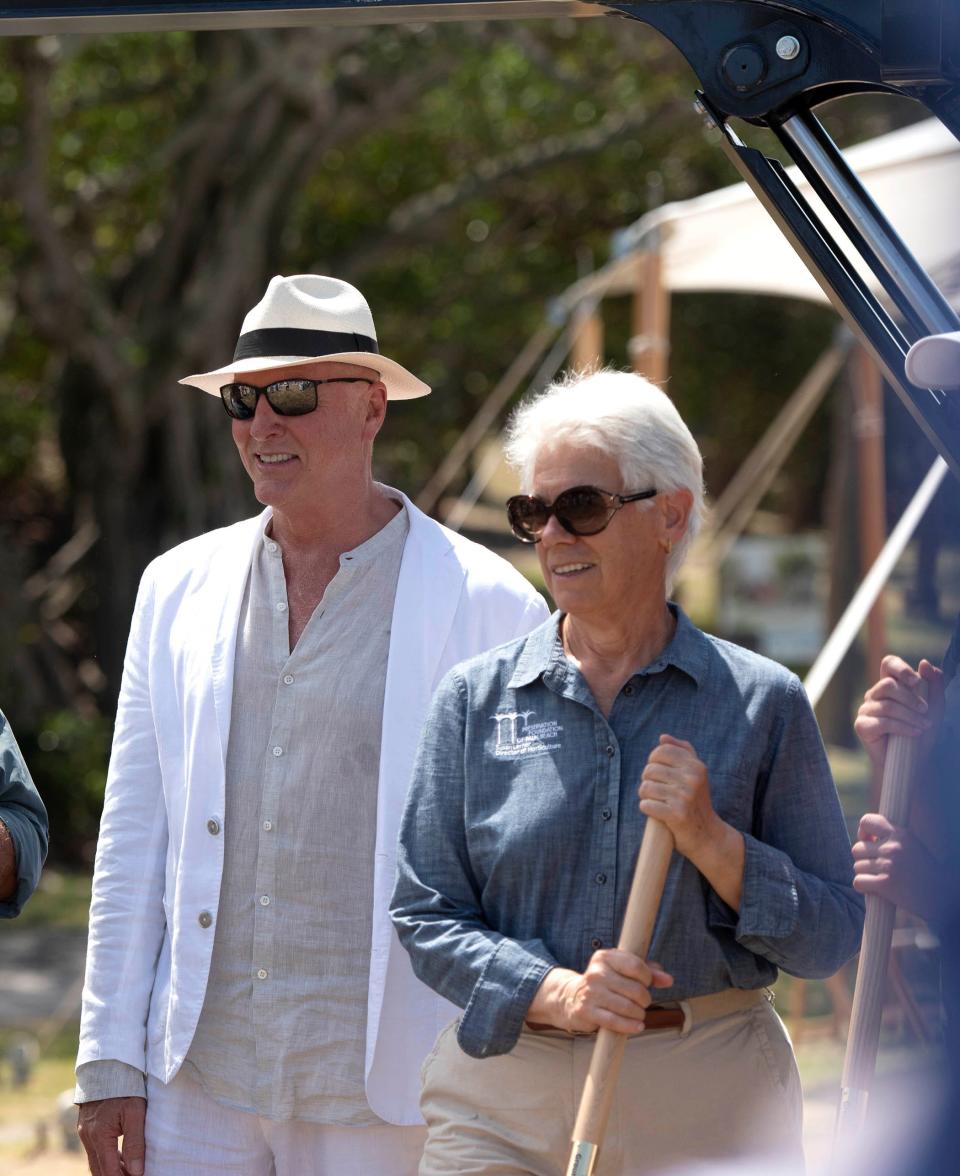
227, 583
428, 593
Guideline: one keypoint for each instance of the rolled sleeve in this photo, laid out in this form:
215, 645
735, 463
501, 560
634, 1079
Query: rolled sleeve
437, 906
798, 907
108, 1079
23, 814
498, 1003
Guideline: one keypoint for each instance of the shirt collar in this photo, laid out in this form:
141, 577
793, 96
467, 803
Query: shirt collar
380, 541
543, 651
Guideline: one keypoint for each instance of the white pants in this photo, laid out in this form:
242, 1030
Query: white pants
189, 1134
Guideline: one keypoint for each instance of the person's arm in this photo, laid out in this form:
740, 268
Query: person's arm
907, 866
23, 827
798, 907
436, 906
127, 920
8, 863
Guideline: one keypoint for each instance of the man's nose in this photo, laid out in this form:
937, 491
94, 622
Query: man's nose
265, 422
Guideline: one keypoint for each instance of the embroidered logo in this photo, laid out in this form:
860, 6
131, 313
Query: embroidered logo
516, 736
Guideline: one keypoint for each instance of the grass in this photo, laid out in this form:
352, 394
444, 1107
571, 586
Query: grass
28, 1117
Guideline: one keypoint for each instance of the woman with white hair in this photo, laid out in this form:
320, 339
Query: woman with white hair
523, 824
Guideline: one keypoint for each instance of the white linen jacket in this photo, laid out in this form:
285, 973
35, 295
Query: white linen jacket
158, 868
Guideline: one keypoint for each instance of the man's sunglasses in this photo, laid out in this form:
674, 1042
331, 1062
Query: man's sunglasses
293, 397
581, 510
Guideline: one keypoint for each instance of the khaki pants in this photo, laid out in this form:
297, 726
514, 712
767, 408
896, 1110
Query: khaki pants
721, 1088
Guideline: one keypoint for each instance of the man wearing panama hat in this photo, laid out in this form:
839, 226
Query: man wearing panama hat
242, 977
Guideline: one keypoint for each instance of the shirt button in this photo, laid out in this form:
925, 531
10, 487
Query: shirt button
628, 689
288, 679
204, 918
611, 750
213, 826
600, 879
606, 814
281, 606
596, 944
267, 826
264, 899
278, 751
271, 546
262, 974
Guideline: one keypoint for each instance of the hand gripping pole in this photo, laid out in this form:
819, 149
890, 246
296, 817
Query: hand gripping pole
863, 1037
649, 877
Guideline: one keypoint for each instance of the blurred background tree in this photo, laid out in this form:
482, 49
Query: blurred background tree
151, 185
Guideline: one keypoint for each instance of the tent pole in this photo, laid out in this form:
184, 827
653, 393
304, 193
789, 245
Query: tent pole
586, 352
855, 613
486, 416
650, 345
868, 428
733, 509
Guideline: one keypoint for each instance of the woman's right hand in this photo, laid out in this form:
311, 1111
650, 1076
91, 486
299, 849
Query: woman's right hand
613, 993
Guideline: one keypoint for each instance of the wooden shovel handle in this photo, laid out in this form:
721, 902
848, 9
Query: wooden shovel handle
646, 890
863, 1037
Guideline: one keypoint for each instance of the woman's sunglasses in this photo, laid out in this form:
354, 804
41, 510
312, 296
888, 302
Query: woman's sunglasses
293, 397
582, 510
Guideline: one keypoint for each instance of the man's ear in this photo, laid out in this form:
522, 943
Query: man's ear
375, 410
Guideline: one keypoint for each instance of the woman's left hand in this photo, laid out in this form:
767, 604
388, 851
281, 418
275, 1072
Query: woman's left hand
675, 788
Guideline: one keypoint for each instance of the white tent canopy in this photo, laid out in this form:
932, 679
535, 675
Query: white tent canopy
726, 241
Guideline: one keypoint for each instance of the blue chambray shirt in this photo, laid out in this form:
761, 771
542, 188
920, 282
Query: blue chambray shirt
23, 813
522, 828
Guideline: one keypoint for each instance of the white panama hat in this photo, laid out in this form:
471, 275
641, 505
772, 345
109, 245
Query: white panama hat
934, 362
307, 318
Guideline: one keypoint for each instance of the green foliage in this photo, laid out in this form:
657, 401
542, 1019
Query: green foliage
67, 757
461, 175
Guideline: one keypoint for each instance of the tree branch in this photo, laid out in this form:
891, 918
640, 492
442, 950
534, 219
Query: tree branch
69, 309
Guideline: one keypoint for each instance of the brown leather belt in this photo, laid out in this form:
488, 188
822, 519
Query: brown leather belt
684, 1014
661, 1017
657, 1017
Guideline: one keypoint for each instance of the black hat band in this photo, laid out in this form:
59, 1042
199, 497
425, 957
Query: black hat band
274, 341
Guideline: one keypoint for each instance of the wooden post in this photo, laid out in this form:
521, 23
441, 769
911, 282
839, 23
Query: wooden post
586, 351
650, 345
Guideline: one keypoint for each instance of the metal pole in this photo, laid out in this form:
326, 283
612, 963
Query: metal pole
856, 611
838, 186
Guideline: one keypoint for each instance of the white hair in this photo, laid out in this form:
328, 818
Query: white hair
624, 415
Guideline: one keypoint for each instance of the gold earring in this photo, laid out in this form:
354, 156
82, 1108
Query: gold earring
667, 545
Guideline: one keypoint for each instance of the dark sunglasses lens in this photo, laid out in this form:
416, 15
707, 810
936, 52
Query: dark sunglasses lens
240, 400
582, 511
527, 517
292, 397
